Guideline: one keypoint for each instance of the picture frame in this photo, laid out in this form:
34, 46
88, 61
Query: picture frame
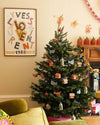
20, 32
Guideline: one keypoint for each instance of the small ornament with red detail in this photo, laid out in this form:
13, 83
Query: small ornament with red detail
46, 94
48, 106
71, 95
58, 75
51, 64
59, 30
55, 40
35, 75
65, 80
74, 76
45, 55
42, 76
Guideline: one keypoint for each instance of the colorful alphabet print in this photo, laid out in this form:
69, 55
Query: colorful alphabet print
20, 31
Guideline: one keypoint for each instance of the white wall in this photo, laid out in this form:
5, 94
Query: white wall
16, 72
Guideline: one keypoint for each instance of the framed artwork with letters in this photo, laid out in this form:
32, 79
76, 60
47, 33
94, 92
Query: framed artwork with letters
20, 31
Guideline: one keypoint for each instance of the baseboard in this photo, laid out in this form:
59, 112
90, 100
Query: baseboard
14, 96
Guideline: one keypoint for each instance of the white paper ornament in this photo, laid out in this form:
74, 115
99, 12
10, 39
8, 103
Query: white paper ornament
60, 106
53, 83
71, 62
62, 62
65, 80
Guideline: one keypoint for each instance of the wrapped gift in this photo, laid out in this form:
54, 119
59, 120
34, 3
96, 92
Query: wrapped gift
92, 103
96, 108
98, 94
51, 119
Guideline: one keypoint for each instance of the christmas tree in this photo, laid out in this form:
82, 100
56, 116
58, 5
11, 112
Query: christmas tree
62, 85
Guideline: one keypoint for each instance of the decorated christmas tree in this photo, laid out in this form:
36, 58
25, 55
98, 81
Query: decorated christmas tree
61, 88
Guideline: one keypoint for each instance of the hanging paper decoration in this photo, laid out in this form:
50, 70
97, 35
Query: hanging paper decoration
48, 106
65, 80
73, 117
92, 11
57, 93
53, 83
79, 91
71, 62
62, 61
79, 64
60, 106
85, 90
71, 95
74, 53
74, 76
58, 75
52, 51
74, 23
35, 75
88, 28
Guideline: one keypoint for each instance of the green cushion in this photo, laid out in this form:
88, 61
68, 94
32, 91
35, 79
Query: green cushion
34, 116
71, 122
13, 107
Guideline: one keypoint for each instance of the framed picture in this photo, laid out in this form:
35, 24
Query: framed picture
20, 31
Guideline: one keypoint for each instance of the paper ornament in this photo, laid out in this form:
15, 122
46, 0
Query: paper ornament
79, 64
71, 95
65, 80
35, 75
74, 76
51, 64
71, 62
46, 94
85, 90
53, 83
73, 117
58, 75
62, 61
60, 106
52, 51
48, 61
48, 106
74, 53
79, 91
57, 93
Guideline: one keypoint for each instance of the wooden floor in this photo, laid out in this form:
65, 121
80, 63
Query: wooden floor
92, 120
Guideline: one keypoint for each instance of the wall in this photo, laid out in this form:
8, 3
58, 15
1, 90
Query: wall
16, 72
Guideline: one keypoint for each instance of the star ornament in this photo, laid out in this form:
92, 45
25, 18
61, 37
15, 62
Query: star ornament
74, 23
